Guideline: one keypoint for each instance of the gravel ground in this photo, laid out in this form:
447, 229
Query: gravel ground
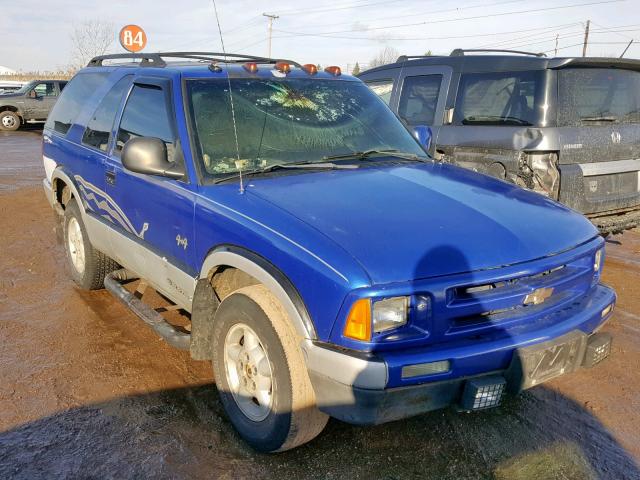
87, 391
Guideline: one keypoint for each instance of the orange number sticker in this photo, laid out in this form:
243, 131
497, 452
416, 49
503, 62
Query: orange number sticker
133, 38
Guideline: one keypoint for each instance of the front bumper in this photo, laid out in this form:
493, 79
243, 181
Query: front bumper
362, 390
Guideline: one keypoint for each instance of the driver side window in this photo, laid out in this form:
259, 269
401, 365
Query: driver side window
146, 115
45, 89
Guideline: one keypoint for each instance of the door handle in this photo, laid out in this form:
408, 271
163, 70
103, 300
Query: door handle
110, 177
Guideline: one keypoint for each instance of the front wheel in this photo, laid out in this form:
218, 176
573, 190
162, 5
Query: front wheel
9, 121
261, 374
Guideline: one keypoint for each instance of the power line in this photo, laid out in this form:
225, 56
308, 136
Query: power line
476, 17
332, 9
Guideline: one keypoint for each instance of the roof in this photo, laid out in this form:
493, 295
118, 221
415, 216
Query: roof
212, 64
490, 63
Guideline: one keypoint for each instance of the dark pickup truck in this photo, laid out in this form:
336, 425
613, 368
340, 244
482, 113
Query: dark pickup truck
32, 103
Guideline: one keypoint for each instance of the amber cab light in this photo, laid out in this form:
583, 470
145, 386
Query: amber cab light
283, 67
333, 70
251, 67
358, 325
310, 68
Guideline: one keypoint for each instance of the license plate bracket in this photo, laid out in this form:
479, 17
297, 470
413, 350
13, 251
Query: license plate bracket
539, 363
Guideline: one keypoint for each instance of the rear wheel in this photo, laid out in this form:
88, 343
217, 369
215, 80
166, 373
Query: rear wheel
261, 373
9, 121
88, 266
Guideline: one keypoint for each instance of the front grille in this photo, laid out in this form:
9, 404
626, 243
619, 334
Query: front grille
515, 301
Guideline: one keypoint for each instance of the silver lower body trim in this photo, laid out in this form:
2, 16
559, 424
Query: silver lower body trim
606, 168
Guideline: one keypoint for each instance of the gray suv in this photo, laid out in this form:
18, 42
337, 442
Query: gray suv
568, 128
32, 103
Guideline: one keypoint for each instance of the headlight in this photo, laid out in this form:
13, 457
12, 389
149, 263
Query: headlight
546, 177
390, 313
597, 261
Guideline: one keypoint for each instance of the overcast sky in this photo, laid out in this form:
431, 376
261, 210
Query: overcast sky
35, 34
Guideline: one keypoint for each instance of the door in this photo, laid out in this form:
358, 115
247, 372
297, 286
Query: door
154, 236
40, 105
422, 98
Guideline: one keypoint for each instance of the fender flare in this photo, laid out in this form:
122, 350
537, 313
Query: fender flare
60, 174
260, 269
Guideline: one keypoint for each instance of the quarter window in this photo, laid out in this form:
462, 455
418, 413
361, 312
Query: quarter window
99, 127
73, 99
419, 99
382, 88
146, 115
502, 98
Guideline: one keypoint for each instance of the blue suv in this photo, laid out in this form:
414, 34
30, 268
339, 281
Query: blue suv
306, 244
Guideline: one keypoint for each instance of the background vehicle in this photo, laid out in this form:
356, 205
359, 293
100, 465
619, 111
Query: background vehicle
323, 263
8, 86
568, 128
31, 103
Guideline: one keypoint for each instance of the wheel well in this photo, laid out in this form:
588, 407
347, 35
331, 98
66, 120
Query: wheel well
62, 193
225, 280
4, 108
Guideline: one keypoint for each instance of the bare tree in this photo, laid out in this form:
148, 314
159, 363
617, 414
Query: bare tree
384, 56
89, 39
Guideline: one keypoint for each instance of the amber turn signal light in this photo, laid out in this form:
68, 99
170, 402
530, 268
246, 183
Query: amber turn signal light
251, 67
358, 325
310, 68
283, 67
333, 70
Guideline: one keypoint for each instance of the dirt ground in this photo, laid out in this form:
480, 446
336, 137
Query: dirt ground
88, 391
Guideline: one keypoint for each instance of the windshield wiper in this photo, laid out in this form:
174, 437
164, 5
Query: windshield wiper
495, 119
602, 118
363, 155
289, 166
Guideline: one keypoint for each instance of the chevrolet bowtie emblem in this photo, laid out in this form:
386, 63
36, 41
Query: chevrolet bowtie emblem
538, 296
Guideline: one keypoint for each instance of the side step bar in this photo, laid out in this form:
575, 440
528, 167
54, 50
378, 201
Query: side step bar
173, 336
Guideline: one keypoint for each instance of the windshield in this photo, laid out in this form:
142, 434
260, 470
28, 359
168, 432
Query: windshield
592, 95
500, 98
289, 121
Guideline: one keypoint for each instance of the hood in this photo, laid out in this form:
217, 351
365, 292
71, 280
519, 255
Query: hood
10, 94
423, 220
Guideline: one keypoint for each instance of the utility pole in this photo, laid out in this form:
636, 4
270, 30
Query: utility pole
271, 19
586, 39
555, 52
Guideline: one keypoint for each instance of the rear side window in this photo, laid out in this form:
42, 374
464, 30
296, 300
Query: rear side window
99, 127
71, 101
598, 95
419, 99
382, 88
502, 98
146, 115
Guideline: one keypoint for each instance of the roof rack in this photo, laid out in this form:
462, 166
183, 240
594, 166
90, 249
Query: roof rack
459, 52
157, 59
404, 58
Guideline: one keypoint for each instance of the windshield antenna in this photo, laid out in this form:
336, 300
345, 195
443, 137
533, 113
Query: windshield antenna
239, 163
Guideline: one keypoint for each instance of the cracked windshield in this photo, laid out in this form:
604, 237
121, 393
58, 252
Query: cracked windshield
289, 121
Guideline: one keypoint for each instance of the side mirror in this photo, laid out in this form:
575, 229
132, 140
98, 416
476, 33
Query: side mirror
423, 134
148, 155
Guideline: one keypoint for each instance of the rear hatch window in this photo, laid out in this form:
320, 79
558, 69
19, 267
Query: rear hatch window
588, 96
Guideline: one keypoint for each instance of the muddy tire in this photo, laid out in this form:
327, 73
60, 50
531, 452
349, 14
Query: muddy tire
87, 265
261, 374
9, 121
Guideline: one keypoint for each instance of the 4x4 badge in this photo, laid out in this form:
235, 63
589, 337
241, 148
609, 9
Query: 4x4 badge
616, 137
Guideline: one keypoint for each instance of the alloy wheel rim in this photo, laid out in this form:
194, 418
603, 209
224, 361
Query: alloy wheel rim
248, 371
75, 245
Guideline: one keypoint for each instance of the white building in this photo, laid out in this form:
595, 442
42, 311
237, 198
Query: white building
6, 71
